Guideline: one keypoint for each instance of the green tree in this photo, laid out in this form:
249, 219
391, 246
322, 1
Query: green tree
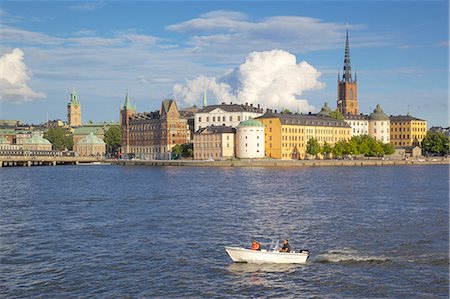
326, 149
286, 111
313, 147
339, 148
336, 114
188, 150
60, 138
113, 139
436, 143
389, 149
177, 151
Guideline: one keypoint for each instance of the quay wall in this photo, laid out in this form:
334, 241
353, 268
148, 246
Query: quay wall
278, 163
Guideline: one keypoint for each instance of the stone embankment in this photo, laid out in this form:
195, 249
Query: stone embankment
279, 163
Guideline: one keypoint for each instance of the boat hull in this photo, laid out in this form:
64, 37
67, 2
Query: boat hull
243, 255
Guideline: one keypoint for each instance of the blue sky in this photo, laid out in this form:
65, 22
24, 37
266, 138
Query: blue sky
177, 48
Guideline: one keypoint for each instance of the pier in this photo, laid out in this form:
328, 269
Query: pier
12, 158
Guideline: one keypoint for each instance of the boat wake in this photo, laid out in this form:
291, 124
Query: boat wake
347, 255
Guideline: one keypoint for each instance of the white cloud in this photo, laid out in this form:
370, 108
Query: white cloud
87, 6
270, 78
14, 75
233, 32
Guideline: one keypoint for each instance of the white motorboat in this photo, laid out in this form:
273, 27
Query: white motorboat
244, 255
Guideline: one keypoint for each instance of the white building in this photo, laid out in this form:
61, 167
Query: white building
358, 123
229, 115
379, 124
250, 139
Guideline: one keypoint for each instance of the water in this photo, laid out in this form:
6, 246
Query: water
112, 231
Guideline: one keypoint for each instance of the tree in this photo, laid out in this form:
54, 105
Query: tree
326, 149
436, 143
286, 111
185, 150
60, 138
336, 114
389, 149
113, 139
338, 149
177, 151
313, 147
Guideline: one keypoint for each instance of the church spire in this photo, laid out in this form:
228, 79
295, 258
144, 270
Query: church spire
205, 102
127, 104
347, 67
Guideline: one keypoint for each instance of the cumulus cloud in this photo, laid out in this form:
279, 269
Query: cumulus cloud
14, 75
273, 79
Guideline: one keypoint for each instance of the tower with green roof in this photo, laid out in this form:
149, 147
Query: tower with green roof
125, 113
74, 110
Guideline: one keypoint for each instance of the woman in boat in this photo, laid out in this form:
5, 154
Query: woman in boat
256, 245
286, 247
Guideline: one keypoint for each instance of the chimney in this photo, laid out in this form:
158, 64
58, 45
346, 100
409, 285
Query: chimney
309, 113
251, 104
231, 103
267, 110
223, 103
246, 103
259, 107
275, 111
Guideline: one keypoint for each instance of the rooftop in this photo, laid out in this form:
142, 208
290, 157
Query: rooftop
216, 129
306, 119
232, 108
404, 118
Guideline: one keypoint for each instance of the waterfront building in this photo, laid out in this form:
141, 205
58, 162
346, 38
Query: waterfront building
152, 135
347, 97
83, 132
379, 125
37, 142
250, 139
286, 135
359, 124
189, 114
214, 142
225, 115
405, 129
74, 110
91, 145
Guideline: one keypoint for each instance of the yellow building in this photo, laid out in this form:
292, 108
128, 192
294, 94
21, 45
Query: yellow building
405, 129
286, 135
214, 142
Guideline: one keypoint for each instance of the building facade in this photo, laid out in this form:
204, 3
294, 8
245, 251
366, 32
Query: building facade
286, 135
250, 140
214, 142
37, 143
359, 124
379, 125
347, 97
74, 110
405, 129
152, 135
229, 115
90, 145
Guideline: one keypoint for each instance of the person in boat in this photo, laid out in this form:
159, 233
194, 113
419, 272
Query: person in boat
286, 247
256, 245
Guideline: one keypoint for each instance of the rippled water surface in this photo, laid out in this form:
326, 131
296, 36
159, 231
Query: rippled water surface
112, 231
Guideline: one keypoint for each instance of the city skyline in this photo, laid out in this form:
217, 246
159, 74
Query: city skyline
158, 50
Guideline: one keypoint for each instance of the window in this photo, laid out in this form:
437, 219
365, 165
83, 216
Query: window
239, 118
200, 119
214, 119
231, 118
207, 119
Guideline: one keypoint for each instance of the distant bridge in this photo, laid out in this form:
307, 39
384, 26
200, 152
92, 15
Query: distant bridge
41, 157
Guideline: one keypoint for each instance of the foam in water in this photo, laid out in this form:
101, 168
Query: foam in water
346, 255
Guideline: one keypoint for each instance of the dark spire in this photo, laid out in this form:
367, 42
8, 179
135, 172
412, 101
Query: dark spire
347, 67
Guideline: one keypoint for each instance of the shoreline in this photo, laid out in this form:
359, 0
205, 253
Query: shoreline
277, 163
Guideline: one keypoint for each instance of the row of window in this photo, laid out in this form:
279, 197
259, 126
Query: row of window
419, 137
407, 129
